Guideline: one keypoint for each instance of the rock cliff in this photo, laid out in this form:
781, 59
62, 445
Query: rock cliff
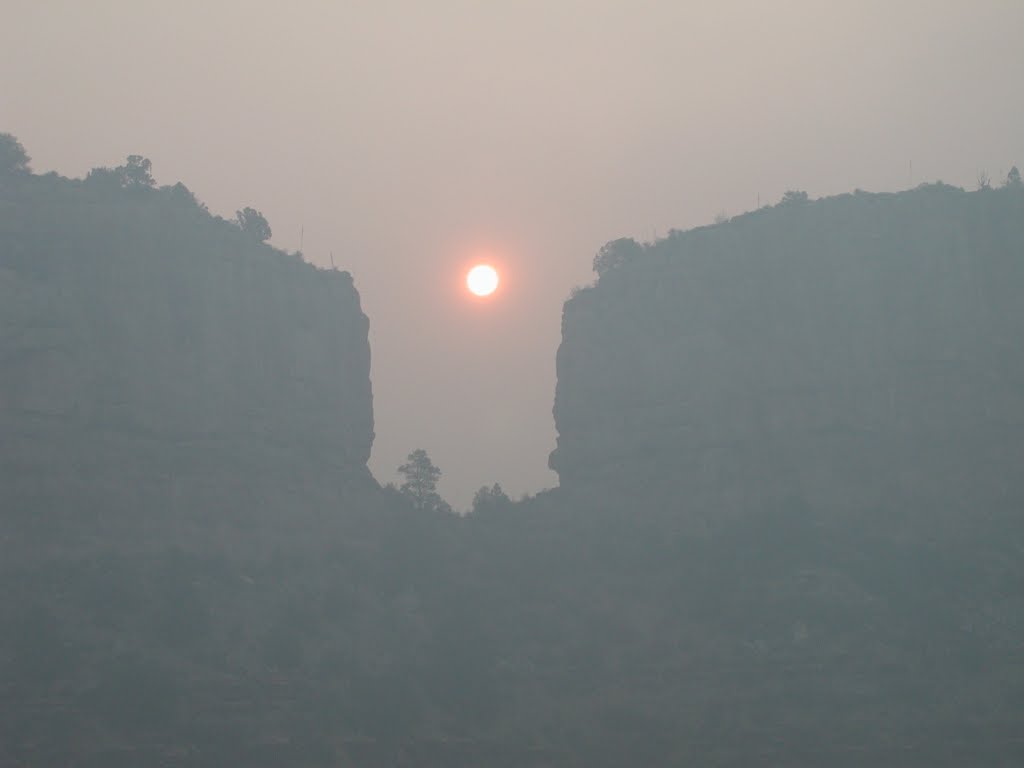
788, 530
843, 353
139, 335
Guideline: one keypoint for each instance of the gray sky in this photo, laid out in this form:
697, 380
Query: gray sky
409, 137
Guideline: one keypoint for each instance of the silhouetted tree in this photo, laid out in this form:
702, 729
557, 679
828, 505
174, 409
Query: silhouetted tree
984, 180
615, 253
1013, 177
420, 484
136, 172
254, 223
13, 158
793, 197
490, 499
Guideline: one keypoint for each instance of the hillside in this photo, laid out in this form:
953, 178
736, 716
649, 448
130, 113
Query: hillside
812, 416
183, 410
788, 529
843, 352
145, 342
221, 326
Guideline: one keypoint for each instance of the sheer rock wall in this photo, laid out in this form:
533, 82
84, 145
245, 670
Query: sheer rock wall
150, 351
840, 353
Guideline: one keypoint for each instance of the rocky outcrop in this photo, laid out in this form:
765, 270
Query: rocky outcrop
145, 343
841, 353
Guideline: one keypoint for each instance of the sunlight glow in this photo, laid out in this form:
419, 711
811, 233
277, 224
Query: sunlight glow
482, 280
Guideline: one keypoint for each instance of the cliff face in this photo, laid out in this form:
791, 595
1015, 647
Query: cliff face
820, 407
788, 529
138, 333
838, 353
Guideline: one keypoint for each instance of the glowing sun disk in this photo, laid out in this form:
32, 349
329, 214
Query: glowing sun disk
482, 280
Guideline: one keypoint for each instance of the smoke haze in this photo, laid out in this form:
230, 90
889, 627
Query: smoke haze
409, 138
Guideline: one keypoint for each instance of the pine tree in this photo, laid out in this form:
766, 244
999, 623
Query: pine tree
420, 484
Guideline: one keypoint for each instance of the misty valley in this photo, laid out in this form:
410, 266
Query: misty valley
787, 531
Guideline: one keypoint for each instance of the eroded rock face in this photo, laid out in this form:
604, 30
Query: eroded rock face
842, 353
140, 334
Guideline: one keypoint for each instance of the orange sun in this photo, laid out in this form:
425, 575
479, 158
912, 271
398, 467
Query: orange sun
482, 280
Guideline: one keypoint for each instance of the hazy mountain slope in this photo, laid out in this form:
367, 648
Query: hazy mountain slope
132, 322
133, 309
789, 530
816, 413
185, 420
838, 351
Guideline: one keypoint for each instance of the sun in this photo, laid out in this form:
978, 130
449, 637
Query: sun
482, 280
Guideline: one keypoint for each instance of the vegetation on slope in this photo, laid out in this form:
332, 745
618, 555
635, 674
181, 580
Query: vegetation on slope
183, 601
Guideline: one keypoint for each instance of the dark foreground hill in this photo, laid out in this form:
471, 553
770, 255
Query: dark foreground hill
788, 533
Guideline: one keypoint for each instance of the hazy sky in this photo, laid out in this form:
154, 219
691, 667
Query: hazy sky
411, 137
